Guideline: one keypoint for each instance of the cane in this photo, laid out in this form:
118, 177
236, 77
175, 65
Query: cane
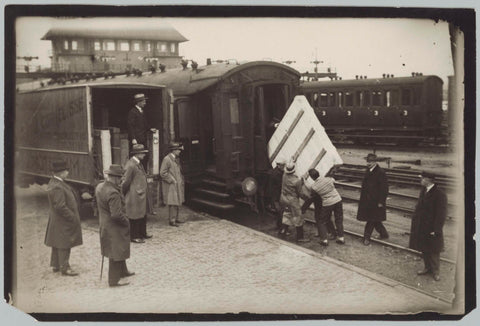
101, 268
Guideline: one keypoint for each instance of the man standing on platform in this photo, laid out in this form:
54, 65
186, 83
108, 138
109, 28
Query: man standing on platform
426, 233
173, 188
63, 229
373, 197
114, 226
135, 189
274, 191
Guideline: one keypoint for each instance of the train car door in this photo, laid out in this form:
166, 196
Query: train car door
260, 137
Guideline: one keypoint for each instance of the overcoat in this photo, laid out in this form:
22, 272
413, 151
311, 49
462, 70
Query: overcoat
374, 191
137, 126
114, 224
290, 199
63, 229
173, 187
274, 187
135, 189
429, 216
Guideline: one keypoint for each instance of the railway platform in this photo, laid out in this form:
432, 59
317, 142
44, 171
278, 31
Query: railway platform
207, 265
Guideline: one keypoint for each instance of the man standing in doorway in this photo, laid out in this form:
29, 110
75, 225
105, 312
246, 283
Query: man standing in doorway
114, 226
135, 189
63, 229
426, 233
373, 197
173, 188
137, 122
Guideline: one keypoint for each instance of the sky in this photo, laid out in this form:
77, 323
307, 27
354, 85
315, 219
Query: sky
349, 46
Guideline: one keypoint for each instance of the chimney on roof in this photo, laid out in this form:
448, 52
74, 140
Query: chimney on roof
162, 67
184, 64
209, 61
383, 75
194, 65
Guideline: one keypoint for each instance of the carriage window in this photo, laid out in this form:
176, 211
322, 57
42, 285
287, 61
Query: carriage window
406, 97
366, 98
234, 118
323, 100
331, 99
340, 99
315, 100
377, 98
348, 99
417, 94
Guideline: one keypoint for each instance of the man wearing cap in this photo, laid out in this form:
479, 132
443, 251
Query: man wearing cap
274, 190
372, 204
290, 199
135, 189
173, 190
63, 229
114, 226
426, 233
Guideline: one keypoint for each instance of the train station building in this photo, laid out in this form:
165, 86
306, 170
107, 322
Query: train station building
86, 47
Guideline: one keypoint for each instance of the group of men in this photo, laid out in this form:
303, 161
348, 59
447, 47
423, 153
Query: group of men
426, 234
123, 202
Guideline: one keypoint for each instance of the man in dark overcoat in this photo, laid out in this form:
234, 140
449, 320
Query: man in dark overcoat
373, 197
137, 122
135, 190
63, 229
426, 233
114, 226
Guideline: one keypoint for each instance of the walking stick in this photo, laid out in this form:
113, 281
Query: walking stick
101, 268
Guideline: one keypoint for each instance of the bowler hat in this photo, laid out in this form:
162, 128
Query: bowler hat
426, 174
174, 146
290, 168
140, 97
138, 149
58, 166
115, 169
371, 157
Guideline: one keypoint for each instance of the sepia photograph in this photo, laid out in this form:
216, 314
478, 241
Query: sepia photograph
197, 163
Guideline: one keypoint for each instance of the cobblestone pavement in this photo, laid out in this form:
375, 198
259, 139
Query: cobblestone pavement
205, 266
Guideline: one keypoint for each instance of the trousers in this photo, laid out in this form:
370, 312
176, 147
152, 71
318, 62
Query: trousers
377, 226
432, 261
116, 270
138, 228
325, 215
59, 258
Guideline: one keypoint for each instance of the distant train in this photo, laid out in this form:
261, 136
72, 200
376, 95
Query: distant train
402, 110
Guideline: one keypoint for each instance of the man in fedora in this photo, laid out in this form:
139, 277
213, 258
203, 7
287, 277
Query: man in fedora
426, 232
135, 189
137, 122
114, 225
173, 188
372, 206
63, 230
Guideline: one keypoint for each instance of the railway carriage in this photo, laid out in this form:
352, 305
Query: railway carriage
392, 109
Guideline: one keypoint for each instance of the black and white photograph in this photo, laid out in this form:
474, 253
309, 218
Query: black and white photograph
228, 163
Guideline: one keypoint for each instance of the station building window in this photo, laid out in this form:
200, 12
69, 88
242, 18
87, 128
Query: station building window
136, 46
161, 46
74, 45
377, 98
148, 46
109, 45
65, 45
97, 46
348, 99
406, 96
173, 48
124, 46
323, 100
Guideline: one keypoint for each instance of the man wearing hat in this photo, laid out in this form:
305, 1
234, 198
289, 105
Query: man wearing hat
137, 122
135, 189
426, 233
114, 226
173, 189
373, 196
63, 230
274, 190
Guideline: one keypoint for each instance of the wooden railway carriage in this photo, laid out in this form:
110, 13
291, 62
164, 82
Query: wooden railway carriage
400, 109
222, 115
84, 124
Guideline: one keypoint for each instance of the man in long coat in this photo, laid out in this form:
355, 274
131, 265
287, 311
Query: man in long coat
114, 226
137, 122
426, 233
372, 205
135, 189
173, 187
63, 229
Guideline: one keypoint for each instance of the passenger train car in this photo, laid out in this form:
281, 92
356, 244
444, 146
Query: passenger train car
402, 110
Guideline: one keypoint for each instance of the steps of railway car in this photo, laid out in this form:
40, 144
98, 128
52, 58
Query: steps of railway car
211, 193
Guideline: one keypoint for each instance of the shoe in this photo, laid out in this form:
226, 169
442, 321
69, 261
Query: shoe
173, 224
69, 272
324, 243
138, 241
423, 272
341, 240
436, 277
179, 221
120, 283
303, 240
366, 242
147, 236
55, 269
128, 274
